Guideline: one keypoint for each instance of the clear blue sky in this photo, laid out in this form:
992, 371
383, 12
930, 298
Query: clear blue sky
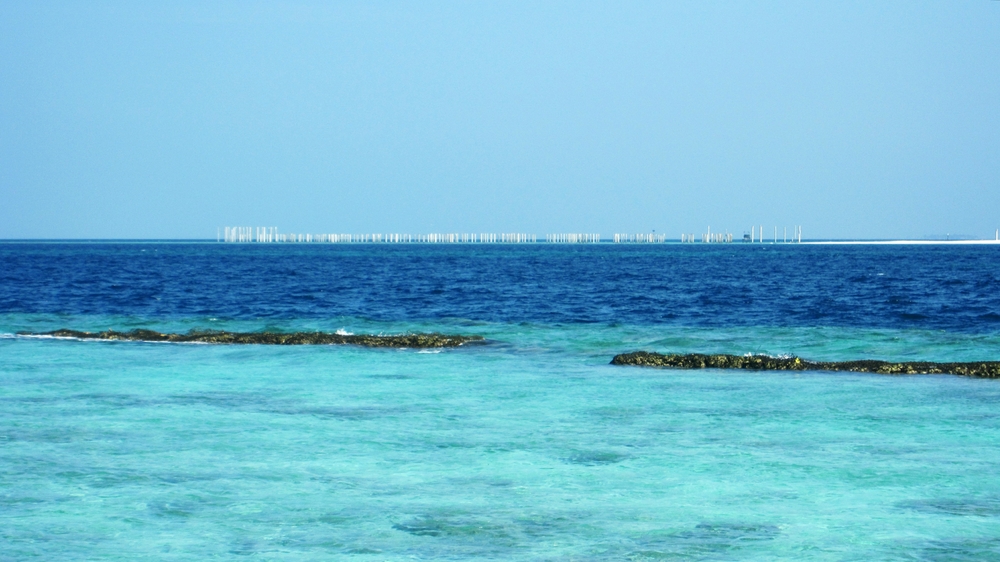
168, 119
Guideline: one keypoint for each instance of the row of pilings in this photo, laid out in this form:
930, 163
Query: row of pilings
270, 234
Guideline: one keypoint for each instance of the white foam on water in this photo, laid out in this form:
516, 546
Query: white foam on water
46, 337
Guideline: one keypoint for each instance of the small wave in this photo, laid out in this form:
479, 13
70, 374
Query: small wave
769, 356
343, 332
43, 337
430, 351
72, 338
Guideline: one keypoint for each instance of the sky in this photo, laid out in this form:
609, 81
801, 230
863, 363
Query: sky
171, 119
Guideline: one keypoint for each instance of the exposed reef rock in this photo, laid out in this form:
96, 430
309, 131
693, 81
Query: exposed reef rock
981, 369
269, 338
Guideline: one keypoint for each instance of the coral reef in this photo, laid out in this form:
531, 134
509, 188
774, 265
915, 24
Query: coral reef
981, 369
270, 338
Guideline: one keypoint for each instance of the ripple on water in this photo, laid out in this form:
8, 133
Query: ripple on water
454, 527
174, 508
706, 540
958, 550
978, 507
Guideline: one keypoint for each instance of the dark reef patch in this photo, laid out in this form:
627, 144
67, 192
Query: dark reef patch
454, 527
269, 338
979, 369
595, 458
979, 507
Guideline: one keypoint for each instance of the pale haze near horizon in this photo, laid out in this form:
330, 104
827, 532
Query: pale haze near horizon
168, 120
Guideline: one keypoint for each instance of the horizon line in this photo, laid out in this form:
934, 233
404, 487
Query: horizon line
811, 241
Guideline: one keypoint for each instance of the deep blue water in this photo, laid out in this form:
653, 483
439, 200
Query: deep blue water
928, 287
531, 447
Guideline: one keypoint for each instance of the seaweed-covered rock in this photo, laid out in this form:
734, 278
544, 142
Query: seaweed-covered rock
270, 338
981, 369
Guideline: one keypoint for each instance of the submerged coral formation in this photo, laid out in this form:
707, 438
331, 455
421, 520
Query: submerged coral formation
982, 369
270, 338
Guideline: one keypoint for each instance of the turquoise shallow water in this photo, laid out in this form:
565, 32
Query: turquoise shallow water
529, 448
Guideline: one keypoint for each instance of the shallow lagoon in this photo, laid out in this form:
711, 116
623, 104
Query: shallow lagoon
532, 447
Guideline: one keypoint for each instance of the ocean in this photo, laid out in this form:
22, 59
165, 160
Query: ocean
528, 447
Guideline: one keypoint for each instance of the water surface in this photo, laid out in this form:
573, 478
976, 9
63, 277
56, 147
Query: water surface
529, 448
